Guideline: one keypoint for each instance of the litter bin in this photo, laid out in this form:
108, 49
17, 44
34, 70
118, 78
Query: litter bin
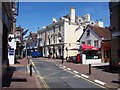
78, 58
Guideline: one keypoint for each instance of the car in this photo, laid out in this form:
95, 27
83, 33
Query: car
36, 54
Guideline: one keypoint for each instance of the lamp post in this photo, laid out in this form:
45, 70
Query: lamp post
60, 38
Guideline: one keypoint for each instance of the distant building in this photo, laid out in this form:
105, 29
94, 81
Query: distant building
98, 37
56, 39
32, 41
115, 29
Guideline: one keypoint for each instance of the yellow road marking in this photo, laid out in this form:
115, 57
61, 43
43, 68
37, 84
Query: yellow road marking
40, 77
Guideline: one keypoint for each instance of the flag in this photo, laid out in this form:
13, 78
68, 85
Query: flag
25, 32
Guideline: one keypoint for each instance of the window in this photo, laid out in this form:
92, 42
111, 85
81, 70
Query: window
88, 33
96, 43
89, 42
83, 42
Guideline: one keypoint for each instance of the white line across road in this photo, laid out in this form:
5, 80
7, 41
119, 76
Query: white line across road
64, 67
84, 75
99, 82
68, 69
75, 72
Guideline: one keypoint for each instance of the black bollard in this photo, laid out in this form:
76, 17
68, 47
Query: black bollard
30, 69
62, 60
89, 69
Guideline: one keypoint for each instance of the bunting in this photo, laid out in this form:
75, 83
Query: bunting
25, 32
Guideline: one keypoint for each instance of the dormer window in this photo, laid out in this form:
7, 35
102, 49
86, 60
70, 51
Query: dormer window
88, 33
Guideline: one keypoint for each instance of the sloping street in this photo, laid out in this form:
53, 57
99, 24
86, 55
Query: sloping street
51, 76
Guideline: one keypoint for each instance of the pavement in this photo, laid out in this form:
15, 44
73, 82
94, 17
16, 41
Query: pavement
19, 77
100, 73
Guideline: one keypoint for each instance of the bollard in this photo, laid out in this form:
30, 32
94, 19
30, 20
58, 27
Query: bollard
30, 69
89, 69
62, 60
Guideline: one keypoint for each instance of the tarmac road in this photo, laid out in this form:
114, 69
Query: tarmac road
51, 76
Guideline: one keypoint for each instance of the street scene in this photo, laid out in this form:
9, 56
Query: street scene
60, 45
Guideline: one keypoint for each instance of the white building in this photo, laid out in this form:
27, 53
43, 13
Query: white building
58, 38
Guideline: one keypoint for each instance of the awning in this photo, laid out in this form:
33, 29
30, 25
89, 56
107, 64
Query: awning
87, 47
84, 47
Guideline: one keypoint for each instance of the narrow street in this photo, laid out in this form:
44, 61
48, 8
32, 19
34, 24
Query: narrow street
51, 76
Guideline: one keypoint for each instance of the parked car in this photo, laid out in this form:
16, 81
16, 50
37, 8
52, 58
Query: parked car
71, 59
36, 54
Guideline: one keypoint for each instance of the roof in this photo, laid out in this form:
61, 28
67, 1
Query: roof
101, 32
33, 36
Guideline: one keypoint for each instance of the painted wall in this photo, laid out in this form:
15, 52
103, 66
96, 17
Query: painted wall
93, 36
11, 50
71, 36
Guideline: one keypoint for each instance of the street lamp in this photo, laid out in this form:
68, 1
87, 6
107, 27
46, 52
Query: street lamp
60, 38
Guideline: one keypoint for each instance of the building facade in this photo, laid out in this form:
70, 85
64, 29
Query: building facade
8, 24
56, 39
98, 37
115, 29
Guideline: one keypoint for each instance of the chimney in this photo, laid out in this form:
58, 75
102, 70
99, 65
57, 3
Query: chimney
72, 14
99, 24
87, 17
54, 20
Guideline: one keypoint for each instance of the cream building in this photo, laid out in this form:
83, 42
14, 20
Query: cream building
58, 38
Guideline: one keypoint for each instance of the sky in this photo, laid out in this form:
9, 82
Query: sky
38, 14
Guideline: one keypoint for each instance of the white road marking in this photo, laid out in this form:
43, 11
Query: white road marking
99, 82
84, 75
33, 69
77, 75
40, 77
75, 72
60, 65
64, 67
68, 69
28, 69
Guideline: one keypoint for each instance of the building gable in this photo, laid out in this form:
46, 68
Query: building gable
89, 35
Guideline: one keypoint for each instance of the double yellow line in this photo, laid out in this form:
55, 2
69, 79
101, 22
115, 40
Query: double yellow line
40, 77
